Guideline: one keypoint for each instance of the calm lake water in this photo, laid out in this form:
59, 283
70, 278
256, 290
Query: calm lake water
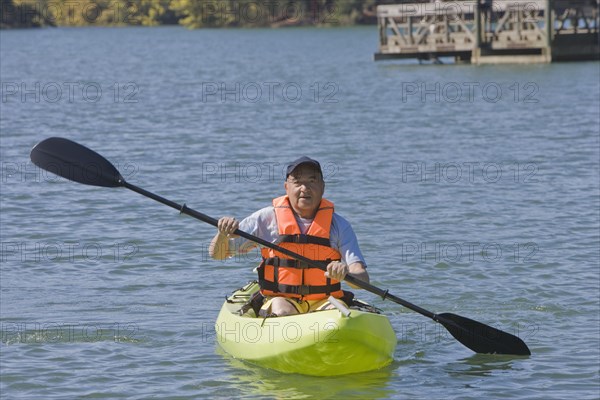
472, 190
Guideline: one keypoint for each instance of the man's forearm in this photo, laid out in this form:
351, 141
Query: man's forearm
219, 246
358, 271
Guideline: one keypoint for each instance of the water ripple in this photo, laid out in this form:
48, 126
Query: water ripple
487, 210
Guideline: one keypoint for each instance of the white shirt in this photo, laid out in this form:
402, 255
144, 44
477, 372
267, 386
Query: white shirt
263, 224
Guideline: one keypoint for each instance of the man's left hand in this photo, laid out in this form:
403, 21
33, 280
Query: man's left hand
337, 270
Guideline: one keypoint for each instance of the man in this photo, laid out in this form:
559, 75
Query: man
305, 223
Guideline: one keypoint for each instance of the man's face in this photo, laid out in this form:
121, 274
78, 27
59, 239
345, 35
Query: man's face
305, 188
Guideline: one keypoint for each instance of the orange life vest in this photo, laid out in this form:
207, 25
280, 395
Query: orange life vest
280, 275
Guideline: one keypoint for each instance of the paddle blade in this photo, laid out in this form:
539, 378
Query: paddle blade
75, 162
482, 338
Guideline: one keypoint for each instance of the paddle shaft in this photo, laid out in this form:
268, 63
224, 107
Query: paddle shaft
478, 337
81, 164
349, 278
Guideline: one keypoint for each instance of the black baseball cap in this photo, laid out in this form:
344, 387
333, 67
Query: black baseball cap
302, 160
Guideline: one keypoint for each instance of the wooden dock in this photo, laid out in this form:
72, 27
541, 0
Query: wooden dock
490, 31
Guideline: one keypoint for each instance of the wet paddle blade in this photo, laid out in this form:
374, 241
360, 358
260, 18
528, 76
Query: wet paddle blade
482, 338
75, 162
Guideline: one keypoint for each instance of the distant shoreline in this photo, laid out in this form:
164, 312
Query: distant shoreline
194, 15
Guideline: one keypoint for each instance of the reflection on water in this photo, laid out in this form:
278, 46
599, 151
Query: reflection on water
482, 364
260, 382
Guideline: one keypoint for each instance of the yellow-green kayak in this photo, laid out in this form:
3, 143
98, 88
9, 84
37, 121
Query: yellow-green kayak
322, 343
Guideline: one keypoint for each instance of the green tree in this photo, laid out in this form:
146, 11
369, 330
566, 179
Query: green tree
22, 15
189, 13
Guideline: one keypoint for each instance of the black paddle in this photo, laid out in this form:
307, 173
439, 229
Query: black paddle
73, 161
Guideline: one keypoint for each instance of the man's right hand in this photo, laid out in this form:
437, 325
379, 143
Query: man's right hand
219, 245
228, 225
